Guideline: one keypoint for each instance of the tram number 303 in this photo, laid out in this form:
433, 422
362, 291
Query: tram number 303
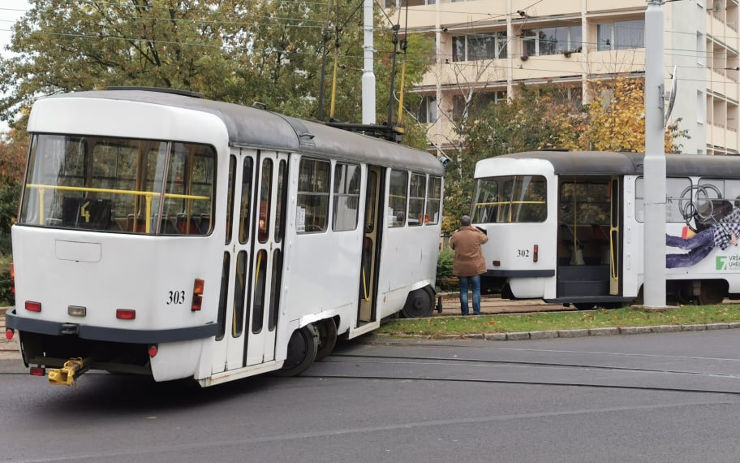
175, 297
522, 252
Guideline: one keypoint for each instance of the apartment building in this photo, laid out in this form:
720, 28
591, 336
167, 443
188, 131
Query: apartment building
490, 46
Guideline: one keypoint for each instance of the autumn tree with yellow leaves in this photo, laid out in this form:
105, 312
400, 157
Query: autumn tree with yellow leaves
541, 118
613, 120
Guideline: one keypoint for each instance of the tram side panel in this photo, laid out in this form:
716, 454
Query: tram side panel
408, 262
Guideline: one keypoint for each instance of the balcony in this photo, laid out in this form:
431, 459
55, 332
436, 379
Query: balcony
594, 6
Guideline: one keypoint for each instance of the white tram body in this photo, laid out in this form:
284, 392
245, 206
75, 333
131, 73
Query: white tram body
164, 234
569, 226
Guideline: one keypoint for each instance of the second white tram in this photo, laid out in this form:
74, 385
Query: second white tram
568, 226
165, 234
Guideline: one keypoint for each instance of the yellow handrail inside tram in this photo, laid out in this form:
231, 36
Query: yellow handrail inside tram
147, 194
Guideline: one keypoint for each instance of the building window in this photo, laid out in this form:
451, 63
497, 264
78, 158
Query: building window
427, 112
621, 35
701, 107
474, 47
551, 40
478, 103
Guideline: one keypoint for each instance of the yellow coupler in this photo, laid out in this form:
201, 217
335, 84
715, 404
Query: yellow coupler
67, 375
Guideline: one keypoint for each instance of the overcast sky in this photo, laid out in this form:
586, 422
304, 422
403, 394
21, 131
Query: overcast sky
10, 11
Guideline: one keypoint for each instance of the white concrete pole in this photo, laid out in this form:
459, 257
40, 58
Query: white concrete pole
368, 77
654, 174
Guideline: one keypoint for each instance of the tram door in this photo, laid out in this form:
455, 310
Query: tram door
588, 237
253, 257
371, 246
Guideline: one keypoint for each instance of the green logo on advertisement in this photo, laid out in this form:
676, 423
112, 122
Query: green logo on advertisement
721, 265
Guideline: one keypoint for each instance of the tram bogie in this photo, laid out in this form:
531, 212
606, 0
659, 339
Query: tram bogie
568, 226
191, 238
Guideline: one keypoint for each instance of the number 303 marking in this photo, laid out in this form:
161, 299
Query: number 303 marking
175, 297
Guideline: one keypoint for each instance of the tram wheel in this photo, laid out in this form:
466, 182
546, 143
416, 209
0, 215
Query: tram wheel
420, 303
302, 349
327, 338
712, 292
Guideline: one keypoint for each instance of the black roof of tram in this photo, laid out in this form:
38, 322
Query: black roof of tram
257, 128
613, 163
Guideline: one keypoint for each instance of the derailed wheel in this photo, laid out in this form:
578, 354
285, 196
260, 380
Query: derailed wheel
302, 349
327, 338
420, 303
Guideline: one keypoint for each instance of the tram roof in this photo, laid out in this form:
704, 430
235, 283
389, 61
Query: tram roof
613, 163
258, 128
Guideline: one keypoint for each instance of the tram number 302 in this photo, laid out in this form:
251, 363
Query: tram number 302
522, 252
175, 297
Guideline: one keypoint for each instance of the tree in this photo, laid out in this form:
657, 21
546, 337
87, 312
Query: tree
506, 127
228, 50
13, 151
537, 118
614, 120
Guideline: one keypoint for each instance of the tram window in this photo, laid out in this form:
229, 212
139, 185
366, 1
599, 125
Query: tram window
585, 203
431, 216
265, 198
245, 206
123, 175
258, 310
674, 187
520, 198
230, 196
240, 285
416, 199
222, 299
277, 267
189, 193
397, 198
346, 196
282, 194
312, 210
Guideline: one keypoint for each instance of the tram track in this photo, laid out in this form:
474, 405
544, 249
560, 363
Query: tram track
340, 358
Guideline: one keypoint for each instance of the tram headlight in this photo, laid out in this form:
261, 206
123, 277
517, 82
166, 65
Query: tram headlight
444, 160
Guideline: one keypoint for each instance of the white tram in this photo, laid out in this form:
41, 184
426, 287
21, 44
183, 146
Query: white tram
165, 234
568, 226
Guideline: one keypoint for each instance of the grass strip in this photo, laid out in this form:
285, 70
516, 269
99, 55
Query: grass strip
570, 320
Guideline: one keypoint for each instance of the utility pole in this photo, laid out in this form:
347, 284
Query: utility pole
368, 77
654, 167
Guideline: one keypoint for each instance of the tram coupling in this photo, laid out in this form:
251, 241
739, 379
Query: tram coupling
72, 369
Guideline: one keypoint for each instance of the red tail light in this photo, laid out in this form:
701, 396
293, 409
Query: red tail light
125, 314
32, 306
37, 371
152, 351
536, 253
9, 334
198, 286
12, 278
496, 263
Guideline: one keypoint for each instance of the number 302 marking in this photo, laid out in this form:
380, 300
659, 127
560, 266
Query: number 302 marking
175, 297
522, 252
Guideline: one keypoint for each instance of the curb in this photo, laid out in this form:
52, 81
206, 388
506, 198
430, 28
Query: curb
551, 334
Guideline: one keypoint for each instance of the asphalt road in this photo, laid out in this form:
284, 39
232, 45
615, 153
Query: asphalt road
641, 398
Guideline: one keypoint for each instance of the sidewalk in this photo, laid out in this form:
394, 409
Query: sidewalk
495, 305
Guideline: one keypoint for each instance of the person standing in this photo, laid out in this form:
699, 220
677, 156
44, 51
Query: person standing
468, 264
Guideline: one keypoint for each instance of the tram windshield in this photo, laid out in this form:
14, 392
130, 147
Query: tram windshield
119, 185
511, 198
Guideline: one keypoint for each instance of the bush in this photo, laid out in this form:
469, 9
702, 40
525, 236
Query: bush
444, 269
